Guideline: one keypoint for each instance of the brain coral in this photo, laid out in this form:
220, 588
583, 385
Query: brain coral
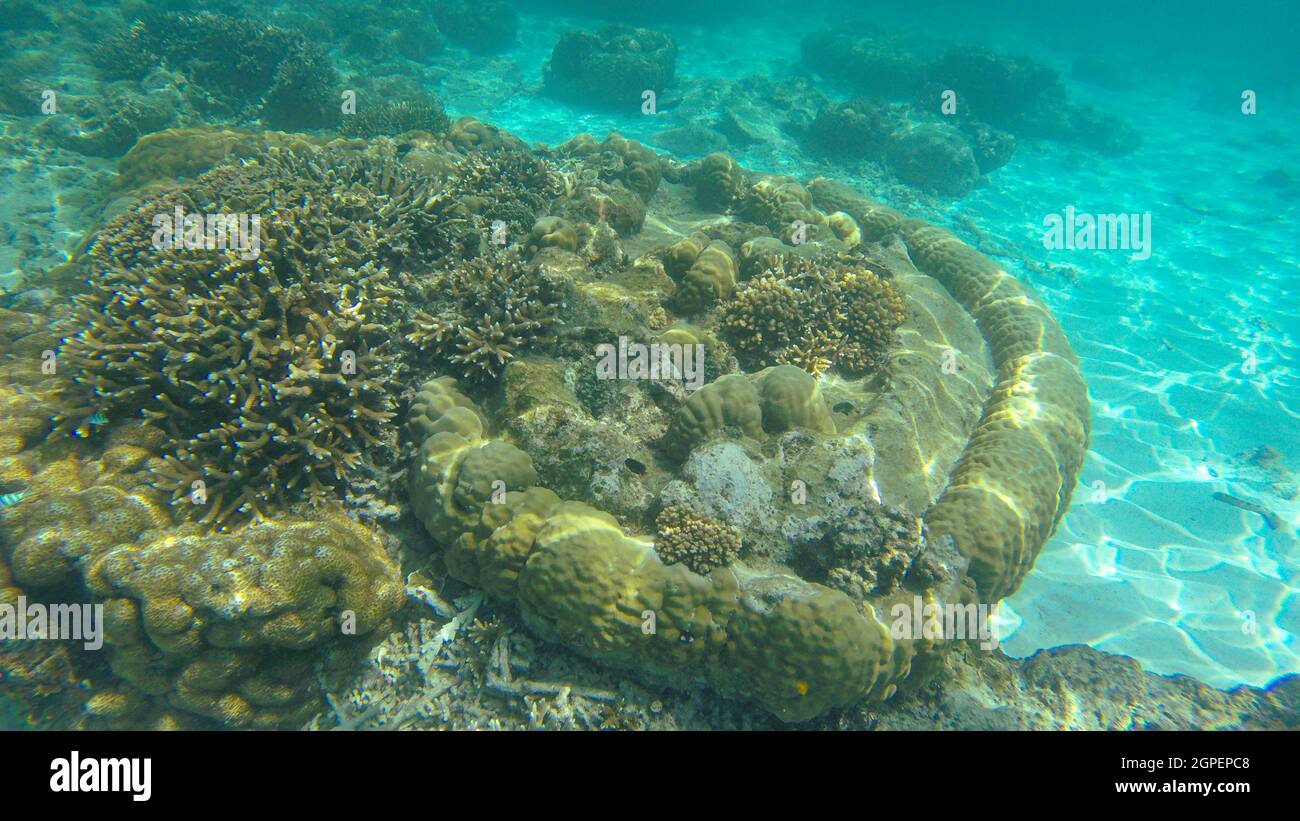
231, 627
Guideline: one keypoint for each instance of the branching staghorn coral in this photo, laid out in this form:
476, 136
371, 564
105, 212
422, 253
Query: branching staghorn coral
494, 307
815, 314
398, 118
507, 184
271, 374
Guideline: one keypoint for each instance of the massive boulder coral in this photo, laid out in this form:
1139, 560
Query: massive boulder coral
612, 67
988, 489
612, 181
200, 630
1013, 482
795, 647
231, 627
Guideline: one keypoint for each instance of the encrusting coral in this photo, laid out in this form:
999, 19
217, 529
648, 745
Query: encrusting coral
815, 314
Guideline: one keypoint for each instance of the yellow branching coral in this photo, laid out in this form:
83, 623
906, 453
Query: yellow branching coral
815, 314
262, 352
699, 542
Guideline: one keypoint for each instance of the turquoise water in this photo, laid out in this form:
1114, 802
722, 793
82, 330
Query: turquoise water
1190, 355
1146, 564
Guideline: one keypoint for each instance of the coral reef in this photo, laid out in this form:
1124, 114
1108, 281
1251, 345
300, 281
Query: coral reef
887, 526
1005, 93
612, 67
815, 314
239, 68
699, 542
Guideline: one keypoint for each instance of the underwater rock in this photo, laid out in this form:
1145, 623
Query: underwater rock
995, 88
481, 25
612, 67
246, 68
935, 158
993, 148
874, 66
857, 129
691, 140
1012, 94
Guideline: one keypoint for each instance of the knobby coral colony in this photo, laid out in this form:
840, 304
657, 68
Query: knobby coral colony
699, 542
272, 374
815, 314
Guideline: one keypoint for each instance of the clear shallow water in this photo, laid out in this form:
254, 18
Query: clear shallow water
1146, 563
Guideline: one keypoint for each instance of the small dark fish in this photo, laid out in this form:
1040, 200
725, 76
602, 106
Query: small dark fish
1270, 518
635, 466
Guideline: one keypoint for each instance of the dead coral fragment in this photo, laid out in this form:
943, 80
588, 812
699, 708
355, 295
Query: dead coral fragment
868, 552
699, 542
815, 314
